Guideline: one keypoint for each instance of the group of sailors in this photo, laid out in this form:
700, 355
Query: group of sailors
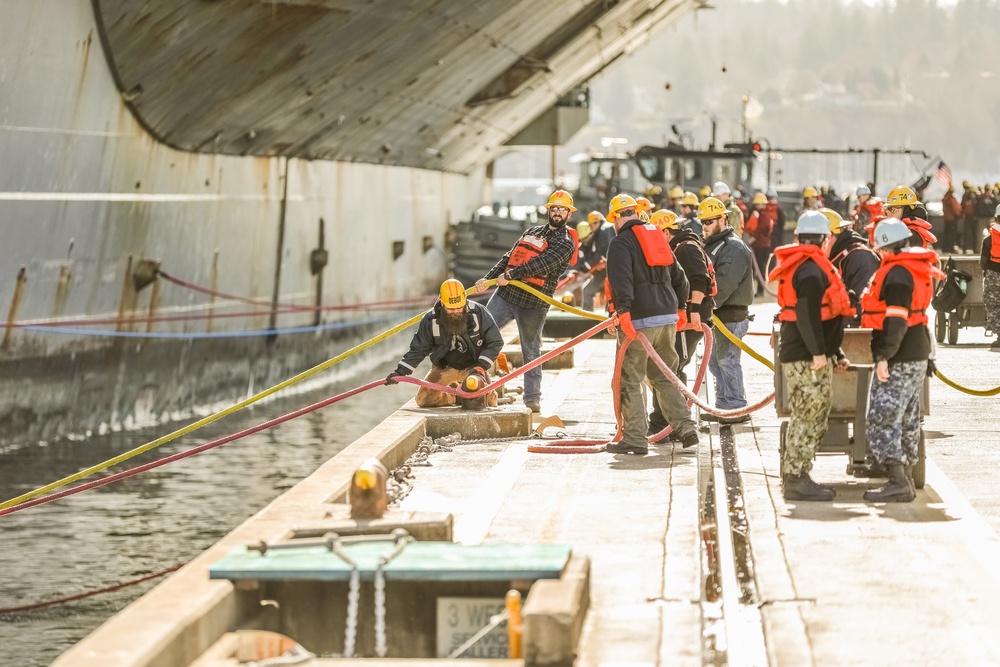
668, 272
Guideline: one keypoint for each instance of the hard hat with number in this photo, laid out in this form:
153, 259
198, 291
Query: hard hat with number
710, 209
664, 219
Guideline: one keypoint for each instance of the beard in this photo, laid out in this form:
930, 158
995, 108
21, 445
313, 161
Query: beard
557, 223
453, 325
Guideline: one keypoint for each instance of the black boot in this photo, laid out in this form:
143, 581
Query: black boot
899, 489
802, 487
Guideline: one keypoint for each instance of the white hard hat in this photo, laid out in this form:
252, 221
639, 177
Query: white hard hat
863, 190
812, 222
720, 188
890, 231
771, 192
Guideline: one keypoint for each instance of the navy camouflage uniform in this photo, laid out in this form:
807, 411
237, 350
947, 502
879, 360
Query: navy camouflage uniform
894, 406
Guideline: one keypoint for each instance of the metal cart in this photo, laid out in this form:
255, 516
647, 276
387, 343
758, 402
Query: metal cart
848, 413
971, 312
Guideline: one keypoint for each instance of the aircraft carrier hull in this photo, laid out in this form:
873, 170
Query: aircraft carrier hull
87, 195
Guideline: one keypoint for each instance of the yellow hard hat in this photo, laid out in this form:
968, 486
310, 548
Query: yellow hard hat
620, 203
452, 294
809, 192
675, 192
595, 216
711, 208
834, 218
644, 204
690, 199
583, 230
760, 198
664, 219
902, 196
654, 191
705, 191
965, 184
561, 198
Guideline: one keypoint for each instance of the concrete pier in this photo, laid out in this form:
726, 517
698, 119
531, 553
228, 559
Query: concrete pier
841, 583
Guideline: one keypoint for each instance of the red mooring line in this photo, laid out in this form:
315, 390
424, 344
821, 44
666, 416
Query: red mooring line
80, 596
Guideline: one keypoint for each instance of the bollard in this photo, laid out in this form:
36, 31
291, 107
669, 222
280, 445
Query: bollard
473, 383
515, 627
368, 496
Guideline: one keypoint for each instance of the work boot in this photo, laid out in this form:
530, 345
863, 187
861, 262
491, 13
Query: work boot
898, 489
534, 406
909, 479
622, 448
689, 439
802, 487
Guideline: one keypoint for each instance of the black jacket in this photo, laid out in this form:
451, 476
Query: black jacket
809, 335
733, 275
638, 288
589, 254
478, 347
689, 249
857, 264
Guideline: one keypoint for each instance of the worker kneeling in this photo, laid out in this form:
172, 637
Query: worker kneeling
814, 304
461, 339
646, 286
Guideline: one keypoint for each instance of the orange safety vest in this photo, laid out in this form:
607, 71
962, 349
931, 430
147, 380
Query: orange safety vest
528, 247
921, 228
655, 247
994, 244
922, 264
835, 303
714, 287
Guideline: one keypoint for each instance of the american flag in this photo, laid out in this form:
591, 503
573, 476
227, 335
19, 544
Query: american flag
943, 173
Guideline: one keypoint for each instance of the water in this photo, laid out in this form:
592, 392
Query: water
158, 519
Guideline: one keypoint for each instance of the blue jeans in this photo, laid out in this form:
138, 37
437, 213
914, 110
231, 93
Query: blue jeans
725, 367
529, 329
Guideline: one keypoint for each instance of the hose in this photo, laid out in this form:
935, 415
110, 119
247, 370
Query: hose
965, 390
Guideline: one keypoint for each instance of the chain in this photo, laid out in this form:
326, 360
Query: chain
353, 598
380, 642
400, 481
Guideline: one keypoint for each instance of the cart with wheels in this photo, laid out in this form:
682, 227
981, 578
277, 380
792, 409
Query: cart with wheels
971, 312
846, 433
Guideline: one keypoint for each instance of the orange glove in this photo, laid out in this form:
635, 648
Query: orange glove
682, 319
625, 320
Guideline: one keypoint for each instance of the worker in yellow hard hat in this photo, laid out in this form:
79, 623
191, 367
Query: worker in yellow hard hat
689, 212
705, 192
590, 264
757, 234
539, 259
734, 277
902, 204
810, 199
647, 286
460, 337
674, 197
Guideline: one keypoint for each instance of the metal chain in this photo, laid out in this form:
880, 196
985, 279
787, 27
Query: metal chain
400, 479
353, 598
380, 641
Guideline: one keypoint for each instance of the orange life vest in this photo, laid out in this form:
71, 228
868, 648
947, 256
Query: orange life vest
655, 247
528, 247
994, 244
835, 302
576, 242
921, 228
713, 287
922, 265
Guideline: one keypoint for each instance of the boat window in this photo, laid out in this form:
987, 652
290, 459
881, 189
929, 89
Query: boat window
725, 171
650, 167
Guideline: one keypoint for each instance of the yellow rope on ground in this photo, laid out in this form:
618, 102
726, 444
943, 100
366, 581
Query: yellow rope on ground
972, 392
740, 344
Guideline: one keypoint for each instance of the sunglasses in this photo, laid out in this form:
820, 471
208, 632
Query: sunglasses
559, 209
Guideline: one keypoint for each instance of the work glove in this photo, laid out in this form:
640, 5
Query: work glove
931, 368
625, 320
480, 371
391, 378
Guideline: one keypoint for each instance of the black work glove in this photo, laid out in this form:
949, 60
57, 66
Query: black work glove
391, 378
931, 368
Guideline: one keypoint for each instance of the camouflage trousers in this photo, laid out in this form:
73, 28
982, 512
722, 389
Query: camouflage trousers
894, 413
809, 399
991, 298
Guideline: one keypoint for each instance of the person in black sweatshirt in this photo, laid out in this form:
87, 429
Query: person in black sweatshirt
814, 304
689, 250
